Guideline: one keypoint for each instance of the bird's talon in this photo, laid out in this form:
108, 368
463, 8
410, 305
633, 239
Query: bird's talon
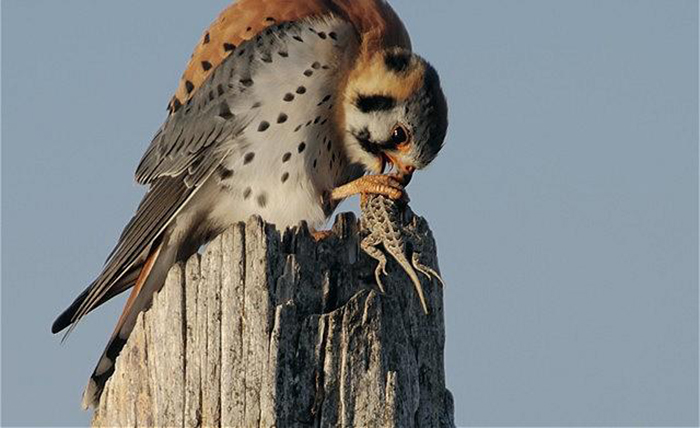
320, 235
370, 185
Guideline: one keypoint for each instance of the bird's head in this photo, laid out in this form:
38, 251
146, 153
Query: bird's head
395, 112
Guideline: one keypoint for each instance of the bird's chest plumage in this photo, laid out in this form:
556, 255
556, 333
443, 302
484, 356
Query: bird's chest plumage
290, 154
284, 175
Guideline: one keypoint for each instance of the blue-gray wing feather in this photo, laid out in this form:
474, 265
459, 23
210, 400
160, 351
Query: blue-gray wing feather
187, 148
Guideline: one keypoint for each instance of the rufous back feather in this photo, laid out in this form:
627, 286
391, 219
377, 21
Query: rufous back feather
376, 22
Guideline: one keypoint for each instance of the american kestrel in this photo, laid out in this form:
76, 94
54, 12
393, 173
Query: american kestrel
283, 109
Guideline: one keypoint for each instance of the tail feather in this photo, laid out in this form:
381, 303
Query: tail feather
66, 318
149, 281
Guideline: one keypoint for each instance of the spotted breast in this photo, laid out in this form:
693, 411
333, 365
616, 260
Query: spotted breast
291, 153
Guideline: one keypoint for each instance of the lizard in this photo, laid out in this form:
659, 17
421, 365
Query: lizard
383, 220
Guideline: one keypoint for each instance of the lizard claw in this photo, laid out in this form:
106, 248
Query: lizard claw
378, 277
426, 270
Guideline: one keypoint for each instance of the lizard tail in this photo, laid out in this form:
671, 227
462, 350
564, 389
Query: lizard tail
419, 288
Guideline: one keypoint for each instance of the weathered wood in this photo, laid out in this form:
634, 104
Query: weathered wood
278, 330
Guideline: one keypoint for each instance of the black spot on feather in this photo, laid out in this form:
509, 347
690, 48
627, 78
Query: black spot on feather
225, 173
262, 200
225, 111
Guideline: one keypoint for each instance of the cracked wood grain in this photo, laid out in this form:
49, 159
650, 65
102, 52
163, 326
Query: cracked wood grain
267, 329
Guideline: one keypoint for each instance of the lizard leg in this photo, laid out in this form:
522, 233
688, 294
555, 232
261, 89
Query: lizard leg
395, 246
426, 270
381, 267
368, 247
387, 185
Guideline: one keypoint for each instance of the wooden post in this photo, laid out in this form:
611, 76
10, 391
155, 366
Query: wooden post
278, 330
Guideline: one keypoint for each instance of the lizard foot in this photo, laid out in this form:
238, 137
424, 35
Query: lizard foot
368, 246
426, 270
381, 268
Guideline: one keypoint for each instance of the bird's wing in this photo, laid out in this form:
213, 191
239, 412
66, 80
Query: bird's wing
374, 20
217, 105
185, 151
243, 87
159, 206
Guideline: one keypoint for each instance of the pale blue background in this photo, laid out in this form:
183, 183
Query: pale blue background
564, 204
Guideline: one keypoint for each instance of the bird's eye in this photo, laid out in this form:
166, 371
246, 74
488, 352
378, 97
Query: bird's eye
399, 136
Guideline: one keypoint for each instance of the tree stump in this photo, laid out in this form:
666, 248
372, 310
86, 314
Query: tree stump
269, 329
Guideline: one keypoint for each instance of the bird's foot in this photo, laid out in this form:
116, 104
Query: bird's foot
387, 185
320, 235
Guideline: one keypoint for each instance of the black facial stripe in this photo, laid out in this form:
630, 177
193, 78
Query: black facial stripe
370, 103
363, 137
373, 147
397, 62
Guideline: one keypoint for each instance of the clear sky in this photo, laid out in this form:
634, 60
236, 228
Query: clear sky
564, 203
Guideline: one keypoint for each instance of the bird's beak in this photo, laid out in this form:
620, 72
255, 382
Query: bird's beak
405, 172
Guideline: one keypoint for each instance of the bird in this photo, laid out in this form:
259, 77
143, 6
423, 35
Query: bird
285, 109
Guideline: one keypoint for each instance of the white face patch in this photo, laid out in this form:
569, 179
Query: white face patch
377, 126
